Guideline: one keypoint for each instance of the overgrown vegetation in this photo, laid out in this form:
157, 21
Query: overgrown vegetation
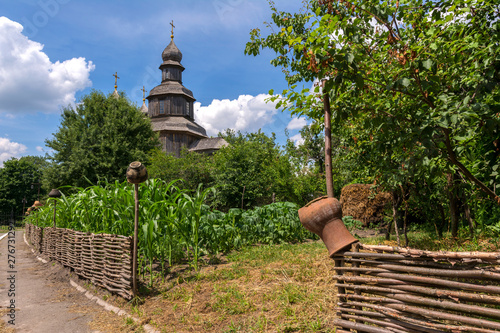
175, 225
19, 180
253, 171
415, 97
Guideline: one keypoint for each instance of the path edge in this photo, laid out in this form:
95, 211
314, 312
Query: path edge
105, 305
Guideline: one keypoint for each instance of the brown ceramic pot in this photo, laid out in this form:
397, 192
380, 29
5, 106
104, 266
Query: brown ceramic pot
55, 193
323, 216
136, 173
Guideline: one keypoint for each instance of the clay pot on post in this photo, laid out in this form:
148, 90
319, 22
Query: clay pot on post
136, 173
323, 216
54, 194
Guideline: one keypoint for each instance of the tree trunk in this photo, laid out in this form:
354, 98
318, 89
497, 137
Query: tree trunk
453, 201
396, 201
454, 160
443, 221
405, 223
328, 143
405, 197
243, 197
468, 217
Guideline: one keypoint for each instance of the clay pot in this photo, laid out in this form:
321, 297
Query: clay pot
136, 173
323, 216
55, 193
37, 204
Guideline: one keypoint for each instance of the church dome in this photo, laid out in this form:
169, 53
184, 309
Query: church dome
172, 53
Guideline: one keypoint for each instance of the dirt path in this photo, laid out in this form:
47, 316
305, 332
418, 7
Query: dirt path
43, 297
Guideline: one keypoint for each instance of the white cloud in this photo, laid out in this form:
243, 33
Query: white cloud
297, 138
296, 123
29, 81
10, 149
247, 114
39, 148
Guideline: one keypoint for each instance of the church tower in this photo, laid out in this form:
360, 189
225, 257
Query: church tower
170, 105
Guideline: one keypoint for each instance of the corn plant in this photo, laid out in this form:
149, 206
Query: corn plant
149, 238
174, 224
192, 209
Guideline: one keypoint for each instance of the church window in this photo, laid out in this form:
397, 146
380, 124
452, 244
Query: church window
162, 107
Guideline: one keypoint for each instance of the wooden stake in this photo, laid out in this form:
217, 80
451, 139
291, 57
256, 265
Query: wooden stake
55, 202
136, 232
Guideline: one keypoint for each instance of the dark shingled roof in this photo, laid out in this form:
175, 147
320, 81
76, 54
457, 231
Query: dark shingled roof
171, 87
208, 144
178, 124
171, 52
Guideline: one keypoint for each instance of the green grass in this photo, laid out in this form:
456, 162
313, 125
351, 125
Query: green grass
267, 288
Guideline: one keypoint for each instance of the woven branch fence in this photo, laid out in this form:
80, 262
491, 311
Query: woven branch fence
390, 289
105, 260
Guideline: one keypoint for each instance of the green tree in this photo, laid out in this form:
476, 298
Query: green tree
192, 167
98, 139
253, 161
252, 171
414, 82
16, 181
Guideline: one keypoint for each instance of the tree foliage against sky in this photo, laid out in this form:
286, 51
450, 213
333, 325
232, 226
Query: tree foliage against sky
415, 83
18, 179
98, 139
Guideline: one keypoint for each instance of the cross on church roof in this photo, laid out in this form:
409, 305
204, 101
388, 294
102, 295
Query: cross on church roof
143, 94
172, 31
116, 79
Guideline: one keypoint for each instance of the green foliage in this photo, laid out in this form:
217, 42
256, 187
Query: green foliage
16, 181
414, 87
275, 223
174, 224
192, 210
97, 140
193, 168
253, 162
352, 223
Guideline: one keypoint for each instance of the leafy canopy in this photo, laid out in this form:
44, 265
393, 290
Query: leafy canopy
412, 83
98, 139
18, 179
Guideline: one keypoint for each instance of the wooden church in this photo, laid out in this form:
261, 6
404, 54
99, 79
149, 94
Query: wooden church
170, 107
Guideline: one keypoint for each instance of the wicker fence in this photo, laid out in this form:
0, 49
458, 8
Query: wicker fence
386, 289
105, 260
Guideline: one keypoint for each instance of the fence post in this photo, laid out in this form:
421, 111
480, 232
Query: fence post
136, 174
136, 234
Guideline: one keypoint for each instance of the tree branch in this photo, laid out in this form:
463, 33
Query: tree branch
453, 158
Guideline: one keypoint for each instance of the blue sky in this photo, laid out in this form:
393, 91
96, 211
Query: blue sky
53, 51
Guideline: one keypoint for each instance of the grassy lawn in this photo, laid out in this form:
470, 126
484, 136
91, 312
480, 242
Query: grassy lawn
280, 288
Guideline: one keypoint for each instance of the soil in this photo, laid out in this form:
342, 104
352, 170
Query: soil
44, 300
